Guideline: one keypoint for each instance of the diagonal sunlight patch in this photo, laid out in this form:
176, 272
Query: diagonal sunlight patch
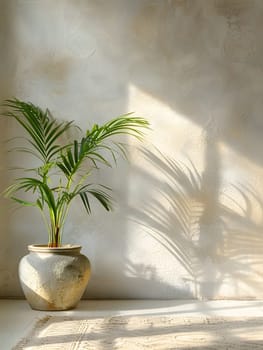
173, 132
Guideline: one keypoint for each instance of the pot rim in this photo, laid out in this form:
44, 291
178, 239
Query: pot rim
44, 248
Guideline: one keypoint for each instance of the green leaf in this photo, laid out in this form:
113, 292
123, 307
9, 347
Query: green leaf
103, 198
23, 202
85, 201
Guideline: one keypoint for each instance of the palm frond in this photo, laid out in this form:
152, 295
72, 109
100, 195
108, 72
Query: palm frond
94, 144
43, 130
101, 196
98, 192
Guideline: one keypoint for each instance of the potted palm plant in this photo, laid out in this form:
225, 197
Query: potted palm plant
54, 276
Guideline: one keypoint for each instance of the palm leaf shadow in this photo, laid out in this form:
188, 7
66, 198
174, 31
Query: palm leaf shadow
171, 212
174, 212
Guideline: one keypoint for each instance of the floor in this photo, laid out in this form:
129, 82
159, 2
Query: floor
16, 317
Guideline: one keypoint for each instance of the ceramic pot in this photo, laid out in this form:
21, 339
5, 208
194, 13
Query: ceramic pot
54, 278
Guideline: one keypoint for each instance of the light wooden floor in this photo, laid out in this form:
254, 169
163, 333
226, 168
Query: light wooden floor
16, 317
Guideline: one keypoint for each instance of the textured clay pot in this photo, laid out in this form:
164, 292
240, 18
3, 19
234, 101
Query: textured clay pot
54, 278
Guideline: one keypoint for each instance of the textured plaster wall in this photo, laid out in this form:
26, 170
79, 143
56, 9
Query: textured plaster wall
188, 222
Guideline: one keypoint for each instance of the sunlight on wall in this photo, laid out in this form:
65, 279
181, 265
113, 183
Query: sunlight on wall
172, 132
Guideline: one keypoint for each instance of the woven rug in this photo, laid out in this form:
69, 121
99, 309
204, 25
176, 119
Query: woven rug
144, 332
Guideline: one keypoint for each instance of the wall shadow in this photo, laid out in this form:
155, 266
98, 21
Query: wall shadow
8, 257
186, 212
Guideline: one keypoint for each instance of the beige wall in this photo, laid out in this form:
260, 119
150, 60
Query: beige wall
189, 215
